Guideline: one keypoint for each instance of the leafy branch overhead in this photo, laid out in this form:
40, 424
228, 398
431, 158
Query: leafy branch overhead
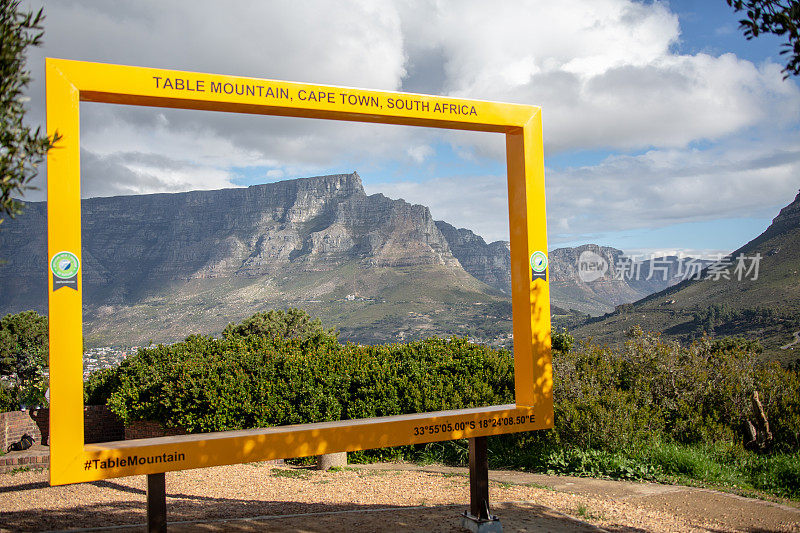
21, 149
779, 17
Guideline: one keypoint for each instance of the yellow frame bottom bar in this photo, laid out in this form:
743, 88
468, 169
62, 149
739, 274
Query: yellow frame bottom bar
164, 454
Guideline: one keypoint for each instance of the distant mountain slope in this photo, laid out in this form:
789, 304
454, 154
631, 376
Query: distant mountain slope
158, 267
490, 263
624, 279
767, 307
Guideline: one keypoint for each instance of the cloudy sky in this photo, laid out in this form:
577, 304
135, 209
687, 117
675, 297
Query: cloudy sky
664, 128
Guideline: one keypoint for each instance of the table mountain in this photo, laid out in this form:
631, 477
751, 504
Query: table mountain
161, 266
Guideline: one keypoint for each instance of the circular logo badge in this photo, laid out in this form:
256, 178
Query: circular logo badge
64, 265
538, 261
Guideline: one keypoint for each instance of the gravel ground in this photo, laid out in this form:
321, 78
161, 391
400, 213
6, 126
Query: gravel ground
260, 497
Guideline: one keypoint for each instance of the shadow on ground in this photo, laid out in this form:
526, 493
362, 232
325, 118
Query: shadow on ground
204, 513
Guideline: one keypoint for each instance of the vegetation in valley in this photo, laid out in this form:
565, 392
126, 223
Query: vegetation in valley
765, 307
653, 410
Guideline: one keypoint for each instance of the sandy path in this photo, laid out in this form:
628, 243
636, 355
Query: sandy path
258, 497
795, 341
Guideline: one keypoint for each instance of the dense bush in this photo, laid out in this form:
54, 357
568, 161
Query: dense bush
8, 401
287, 324
615, 399
207, 384
642, 411
604, 399
23, 360
658, 410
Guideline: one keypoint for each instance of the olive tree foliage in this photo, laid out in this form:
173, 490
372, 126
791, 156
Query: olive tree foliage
21, 149
277, 323
779, 17
23, 359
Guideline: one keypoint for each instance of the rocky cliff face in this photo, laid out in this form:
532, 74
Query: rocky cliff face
589, 292
623, 280
490, 263
787, 221
23, 261
594, 279
159, 263
132, 244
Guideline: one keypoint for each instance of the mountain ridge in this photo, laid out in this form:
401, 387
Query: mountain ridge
367, 264
205, 258
759, 301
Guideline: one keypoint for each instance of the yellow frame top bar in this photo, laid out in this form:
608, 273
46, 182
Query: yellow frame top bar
214, 92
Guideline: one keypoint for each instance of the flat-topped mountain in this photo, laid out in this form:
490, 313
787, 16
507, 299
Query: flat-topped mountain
165, 265
160, 266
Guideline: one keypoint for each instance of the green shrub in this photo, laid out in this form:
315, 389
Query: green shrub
207, 384
289, 324
262, 374
8, 399
617, 399
562, 341
23, 359
652, 409
99, 386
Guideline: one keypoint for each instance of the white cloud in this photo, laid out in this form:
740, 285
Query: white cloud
123, 173
657, 189
644, 254
419, 153
354, 43
664, 187
604, 71
357, 43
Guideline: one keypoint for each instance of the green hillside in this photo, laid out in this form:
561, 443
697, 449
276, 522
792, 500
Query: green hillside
762, 305
366, 304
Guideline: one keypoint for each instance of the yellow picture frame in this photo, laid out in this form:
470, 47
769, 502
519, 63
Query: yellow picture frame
71, 82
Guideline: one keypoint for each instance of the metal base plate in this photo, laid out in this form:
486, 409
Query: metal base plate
481, 525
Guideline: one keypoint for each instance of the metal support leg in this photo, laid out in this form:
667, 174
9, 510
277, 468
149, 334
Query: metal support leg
156, 503
479, 520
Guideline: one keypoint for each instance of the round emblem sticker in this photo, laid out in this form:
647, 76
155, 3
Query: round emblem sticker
538, 261
64, 265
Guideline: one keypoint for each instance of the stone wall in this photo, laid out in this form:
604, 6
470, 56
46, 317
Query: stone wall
15, 424
147, 429
29, 459
99, 425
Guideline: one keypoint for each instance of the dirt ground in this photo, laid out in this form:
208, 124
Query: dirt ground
372, 498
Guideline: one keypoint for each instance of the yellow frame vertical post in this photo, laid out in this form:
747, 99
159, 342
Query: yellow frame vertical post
528, 224
65, 304
71, 82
